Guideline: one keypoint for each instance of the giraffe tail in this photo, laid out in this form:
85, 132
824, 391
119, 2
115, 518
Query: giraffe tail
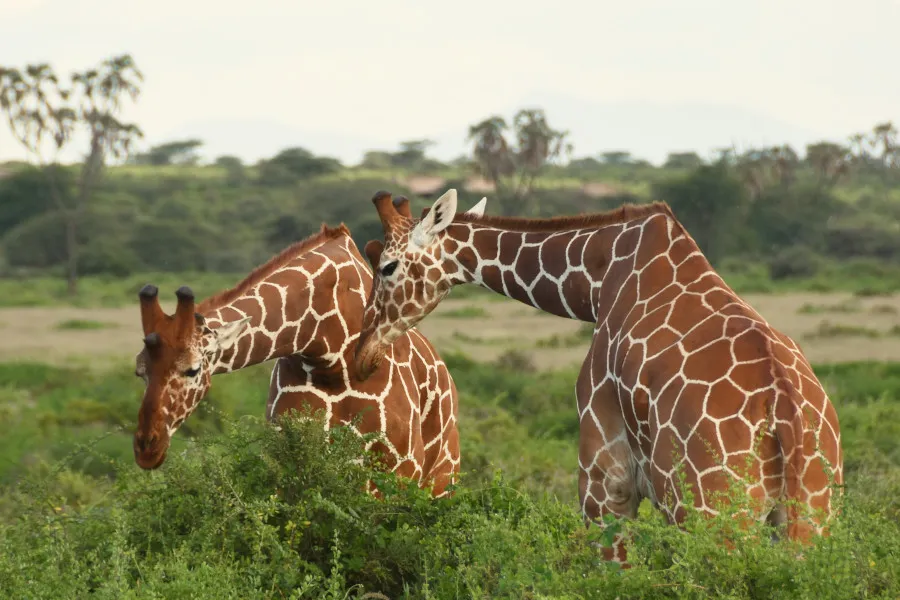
797, 444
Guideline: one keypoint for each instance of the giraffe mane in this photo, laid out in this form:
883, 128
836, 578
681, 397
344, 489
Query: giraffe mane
324, 235
623, 214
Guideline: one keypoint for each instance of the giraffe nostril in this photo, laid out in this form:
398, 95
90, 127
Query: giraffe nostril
145, 442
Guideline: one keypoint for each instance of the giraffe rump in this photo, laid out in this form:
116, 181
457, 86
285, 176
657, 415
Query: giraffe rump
679, 365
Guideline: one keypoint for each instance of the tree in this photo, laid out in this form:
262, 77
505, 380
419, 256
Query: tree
492, 154
378, 160
296, 163
462, 161
514, 169
712, 204
616, 158
42, 112
763, 168
179, 152
884, 135
587, 163
26, 194
683, 160
859, 149
234, 167
411, 154
830, 161
229, 162
725, 155
784, 163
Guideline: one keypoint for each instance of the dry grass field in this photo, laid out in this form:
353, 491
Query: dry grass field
829, 327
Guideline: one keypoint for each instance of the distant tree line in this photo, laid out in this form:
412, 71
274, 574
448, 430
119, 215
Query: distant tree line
771, 205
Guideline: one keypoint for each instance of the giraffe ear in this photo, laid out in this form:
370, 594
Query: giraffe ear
438, 218
373, 250
226, 335
478, 209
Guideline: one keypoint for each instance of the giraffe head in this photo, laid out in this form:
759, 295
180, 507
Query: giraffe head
411, 275
175, 366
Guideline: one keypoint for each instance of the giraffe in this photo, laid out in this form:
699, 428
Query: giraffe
682, 377
303, 308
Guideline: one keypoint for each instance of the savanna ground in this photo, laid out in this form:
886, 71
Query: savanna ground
243, 511
831, 327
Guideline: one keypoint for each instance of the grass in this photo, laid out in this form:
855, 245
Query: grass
884, 309
472, 339
863, 280
107, 291
827, 329
848, 306
242, 511
465, 312
83, 324
580, 338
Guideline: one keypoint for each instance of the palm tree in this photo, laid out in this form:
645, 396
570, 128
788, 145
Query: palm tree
885, 135
493, 157
830, 160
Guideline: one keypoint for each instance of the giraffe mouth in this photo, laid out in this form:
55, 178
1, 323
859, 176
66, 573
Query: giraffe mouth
151, 457
148, 462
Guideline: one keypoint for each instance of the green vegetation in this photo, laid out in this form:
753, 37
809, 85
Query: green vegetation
830, 330
827, 329
848, 306
582, 337
466, 312
243, 511
107, 291
884, 309
768, 218
83, 324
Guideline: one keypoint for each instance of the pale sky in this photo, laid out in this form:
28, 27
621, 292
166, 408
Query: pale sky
341, 77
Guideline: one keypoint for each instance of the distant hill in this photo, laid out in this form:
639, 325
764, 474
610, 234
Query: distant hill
650, 131
647, 130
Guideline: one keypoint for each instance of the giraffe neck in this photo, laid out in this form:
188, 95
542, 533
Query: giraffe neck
566, 272
310, 308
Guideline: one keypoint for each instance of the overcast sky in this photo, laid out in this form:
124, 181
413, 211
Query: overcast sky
341, 76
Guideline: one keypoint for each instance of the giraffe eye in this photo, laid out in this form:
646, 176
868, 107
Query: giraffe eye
192, 372
388, 269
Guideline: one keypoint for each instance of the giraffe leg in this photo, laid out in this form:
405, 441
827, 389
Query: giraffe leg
606, 483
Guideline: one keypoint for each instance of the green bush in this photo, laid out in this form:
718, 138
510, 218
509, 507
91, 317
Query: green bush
242, 510
794, 262
266, 513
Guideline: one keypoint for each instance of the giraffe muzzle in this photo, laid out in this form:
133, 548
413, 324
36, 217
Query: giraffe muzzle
150, 451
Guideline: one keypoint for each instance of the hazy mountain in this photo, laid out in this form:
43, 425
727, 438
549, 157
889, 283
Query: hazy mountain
650, 131
253, 139
647, 130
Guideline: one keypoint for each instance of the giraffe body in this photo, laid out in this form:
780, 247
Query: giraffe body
302, 309
681, 375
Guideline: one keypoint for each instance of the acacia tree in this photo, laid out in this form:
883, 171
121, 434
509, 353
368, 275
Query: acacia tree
44, 114
411, 154
764, 168
514, 169
884, 136
178, 152
829, 160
